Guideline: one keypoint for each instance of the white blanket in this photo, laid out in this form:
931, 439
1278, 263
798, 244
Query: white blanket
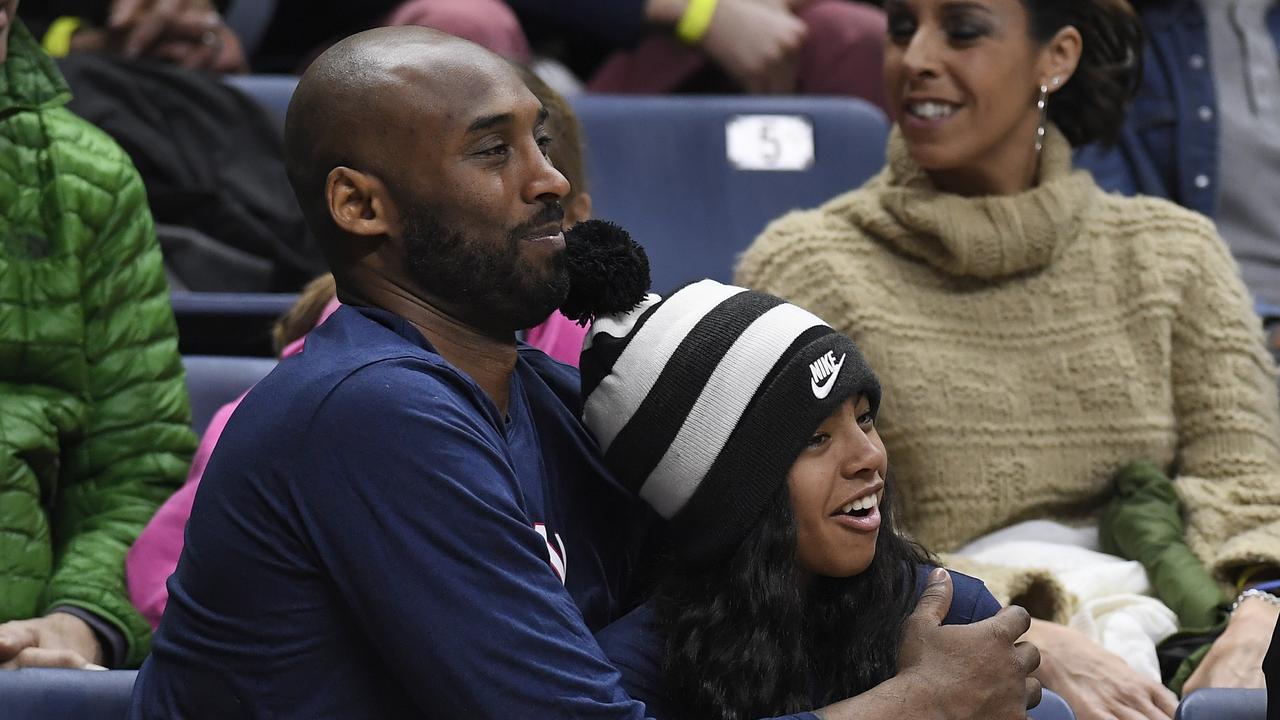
1115, 604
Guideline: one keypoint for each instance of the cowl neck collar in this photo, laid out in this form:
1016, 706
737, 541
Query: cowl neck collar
985, 237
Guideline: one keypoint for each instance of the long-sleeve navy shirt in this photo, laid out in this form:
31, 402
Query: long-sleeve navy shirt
373, 539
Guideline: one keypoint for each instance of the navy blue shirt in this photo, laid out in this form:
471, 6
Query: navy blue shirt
636, 646
373, 539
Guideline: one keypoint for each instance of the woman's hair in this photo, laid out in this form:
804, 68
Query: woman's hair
302, 317
1092, 105
745, 640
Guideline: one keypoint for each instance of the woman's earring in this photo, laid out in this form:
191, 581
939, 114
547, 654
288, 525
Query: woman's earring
1043, 106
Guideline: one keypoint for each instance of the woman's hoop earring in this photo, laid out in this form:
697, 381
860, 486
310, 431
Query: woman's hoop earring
1043, 106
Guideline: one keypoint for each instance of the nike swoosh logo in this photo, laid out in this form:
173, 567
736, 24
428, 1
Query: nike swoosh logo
822, 389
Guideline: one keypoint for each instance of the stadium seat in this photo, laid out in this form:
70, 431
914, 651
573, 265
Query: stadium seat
250, 19
215, 380
271, 91
65, 694
1051, 707
1223, 704
665, 169
227, 323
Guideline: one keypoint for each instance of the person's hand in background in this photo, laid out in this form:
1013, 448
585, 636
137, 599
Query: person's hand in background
1235, 660
57, 640
754, 41
189, 33
1095, 682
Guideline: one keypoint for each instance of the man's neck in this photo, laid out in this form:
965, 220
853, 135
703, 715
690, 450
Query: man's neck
485, 357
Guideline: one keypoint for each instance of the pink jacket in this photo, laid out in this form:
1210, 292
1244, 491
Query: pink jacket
154, 556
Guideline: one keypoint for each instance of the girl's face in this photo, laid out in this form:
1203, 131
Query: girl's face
963, 77
836, 485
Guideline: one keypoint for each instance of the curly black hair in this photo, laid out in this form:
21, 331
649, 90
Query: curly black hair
744, 639
1092, 105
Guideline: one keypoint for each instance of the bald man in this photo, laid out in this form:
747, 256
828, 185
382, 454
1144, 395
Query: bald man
384, 531
407, 520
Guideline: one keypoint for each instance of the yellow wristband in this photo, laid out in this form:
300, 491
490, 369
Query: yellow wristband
57, 41
1249, 573
695, 21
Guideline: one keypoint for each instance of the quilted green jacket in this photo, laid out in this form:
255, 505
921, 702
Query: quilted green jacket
94, 419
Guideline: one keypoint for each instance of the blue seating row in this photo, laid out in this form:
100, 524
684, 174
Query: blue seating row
86, 695
694, 179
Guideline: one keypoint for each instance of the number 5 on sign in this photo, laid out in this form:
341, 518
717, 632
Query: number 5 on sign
770, 142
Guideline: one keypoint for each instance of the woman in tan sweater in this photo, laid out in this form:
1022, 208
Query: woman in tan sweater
1040, 334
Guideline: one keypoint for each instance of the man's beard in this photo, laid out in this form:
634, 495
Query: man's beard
488, 284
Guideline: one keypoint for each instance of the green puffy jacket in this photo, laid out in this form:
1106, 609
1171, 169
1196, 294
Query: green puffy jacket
94, 418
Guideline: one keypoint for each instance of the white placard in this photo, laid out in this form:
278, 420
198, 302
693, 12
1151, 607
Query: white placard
770, 142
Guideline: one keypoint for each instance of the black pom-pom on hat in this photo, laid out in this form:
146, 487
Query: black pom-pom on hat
608, 271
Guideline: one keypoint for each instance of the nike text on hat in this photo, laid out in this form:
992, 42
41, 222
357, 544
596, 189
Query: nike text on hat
701, 403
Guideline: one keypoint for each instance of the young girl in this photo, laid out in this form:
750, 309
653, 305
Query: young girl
749, 424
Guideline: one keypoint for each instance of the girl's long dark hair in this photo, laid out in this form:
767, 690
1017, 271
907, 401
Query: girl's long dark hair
744, 640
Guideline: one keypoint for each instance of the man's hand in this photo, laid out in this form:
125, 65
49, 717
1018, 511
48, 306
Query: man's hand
756, 43
972, 671
57, 640
956, 672
1095, 682
1235, 660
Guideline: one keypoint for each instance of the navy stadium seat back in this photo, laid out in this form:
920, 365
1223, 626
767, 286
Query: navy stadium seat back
271, 91
1223, 704
215, 380
250, 20
212, 323
1051, 707
660, 167
65, 694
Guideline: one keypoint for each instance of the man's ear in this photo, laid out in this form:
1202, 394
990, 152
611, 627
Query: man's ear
360, 204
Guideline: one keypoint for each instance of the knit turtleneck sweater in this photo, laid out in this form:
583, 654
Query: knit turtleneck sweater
1031, 345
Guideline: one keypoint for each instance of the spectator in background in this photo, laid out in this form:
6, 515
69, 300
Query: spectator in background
189, 33
154, 556
94, 422
300, 29
195, 35
821, 47
1204, 129
1041, 334
211, 160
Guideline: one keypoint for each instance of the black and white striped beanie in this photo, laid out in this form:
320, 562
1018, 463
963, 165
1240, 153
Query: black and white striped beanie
701, 403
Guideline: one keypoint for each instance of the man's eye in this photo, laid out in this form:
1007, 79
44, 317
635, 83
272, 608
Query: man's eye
867, 419
544, 143
818, 439
496, 150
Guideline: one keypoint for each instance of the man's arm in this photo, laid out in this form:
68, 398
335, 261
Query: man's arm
953, 672
417, 515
